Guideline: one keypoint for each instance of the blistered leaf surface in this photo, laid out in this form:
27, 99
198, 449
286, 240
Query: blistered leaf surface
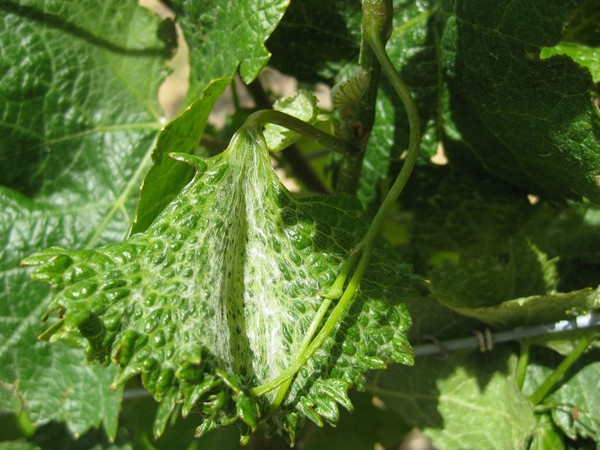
217, 295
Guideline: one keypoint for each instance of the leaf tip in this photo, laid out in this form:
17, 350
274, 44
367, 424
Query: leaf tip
196, 162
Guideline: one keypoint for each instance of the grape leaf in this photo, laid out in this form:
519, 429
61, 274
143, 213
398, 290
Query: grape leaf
465, 401
582, 54
303, 105
573, 404
78, 115
529, 121
536, 309
166, 178
327, 31
225, 36
582, 391
546, 435
493, 256
509, 293
216, 297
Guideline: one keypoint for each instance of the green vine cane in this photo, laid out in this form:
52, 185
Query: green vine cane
310, 345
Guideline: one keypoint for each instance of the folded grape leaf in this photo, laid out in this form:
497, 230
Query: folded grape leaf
222, 38
78, 101
465, 401
216, 297
493, 256
518, 292
536, 309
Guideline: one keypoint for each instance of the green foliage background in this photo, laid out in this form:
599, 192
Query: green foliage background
508, 90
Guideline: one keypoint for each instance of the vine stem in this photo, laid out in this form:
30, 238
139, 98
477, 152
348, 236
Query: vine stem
334, 292
259, 119
358, 117
364, 248
549, 383
522, 363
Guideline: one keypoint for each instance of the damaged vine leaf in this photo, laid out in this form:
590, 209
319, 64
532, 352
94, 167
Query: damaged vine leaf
216, 297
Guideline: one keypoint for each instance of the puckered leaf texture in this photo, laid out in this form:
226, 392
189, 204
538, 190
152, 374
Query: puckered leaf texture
223, 39
78, 116
217, 296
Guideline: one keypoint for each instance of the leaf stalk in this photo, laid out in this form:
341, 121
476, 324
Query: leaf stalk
258, 119
542, 391
357, 120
